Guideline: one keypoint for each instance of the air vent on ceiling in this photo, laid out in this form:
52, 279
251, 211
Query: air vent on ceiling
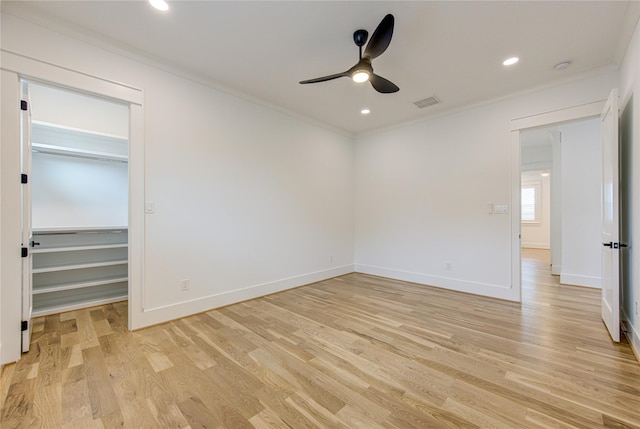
426, 102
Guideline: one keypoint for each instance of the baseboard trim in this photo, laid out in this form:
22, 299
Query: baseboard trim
476, 288
161, 314
577, 280
632, 335
545, 246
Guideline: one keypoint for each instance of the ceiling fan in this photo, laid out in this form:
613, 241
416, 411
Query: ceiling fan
363, 70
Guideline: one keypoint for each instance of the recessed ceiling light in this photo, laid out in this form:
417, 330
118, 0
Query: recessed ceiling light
545, 174
562, 66
510, 61
365, 111
160, 5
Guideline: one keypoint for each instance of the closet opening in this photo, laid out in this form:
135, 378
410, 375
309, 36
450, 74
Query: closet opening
75, 150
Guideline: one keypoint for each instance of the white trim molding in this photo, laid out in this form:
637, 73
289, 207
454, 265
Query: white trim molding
577, 280
632, 335
505, 292
161, 314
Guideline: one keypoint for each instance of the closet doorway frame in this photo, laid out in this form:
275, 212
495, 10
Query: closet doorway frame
14, 69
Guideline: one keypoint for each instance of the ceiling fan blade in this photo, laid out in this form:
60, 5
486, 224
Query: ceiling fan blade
325, 78
381, 38
383, 85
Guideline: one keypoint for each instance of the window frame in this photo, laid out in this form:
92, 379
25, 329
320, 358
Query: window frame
537, 209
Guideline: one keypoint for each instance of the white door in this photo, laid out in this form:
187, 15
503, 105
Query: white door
610, 231
27, 238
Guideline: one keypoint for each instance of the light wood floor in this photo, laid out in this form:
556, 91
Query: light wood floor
355, 351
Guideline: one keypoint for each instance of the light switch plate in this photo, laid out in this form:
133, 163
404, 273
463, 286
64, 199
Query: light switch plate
501, 209
149, 207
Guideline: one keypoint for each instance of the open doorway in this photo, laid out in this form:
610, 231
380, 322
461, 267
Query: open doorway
75, 203
560, 205
16, 70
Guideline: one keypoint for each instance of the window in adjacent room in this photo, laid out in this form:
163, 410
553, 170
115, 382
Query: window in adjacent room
530, 202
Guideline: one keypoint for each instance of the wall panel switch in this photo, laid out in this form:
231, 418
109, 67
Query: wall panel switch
149, 207
501, 209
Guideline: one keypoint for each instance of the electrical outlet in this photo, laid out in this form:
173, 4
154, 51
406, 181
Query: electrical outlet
448, 266
331, 258
184, 285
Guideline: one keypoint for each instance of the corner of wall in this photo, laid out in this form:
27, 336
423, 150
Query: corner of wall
633, 335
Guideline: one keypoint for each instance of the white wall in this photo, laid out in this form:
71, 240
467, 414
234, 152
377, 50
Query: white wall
556, 205
248, 200
72, 192
422, 192
581, 203
538, 156
630, 90
79, 111
538, 235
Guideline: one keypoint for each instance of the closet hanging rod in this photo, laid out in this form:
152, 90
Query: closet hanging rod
78, 153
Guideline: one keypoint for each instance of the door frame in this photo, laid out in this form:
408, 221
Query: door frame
15, 68
518, 125
27, 227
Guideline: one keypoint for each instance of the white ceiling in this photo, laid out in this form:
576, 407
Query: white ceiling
450, 49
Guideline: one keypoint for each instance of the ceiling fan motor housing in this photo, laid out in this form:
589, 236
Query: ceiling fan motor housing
360, 37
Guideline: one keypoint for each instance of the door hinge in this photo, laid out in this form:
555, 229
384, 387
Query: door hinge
24, 178
24, 105
24, 325
25, 251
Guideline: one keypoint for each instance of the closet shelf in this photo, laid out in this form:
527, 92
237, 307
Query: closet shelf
78, 229
46, 310
78, 153
78, 285
72, 248
78, 266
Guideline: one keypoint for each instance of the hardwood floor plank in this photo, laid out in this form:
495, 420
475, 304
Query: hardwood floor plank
101, 395
6, 375
47, 406
197, 414
75, 401
356, 351
133, 404
267, 419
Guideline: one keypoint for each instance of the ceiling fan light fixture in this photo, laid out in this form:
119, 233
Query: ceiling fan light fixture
160, 5
360, 76
362, 71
